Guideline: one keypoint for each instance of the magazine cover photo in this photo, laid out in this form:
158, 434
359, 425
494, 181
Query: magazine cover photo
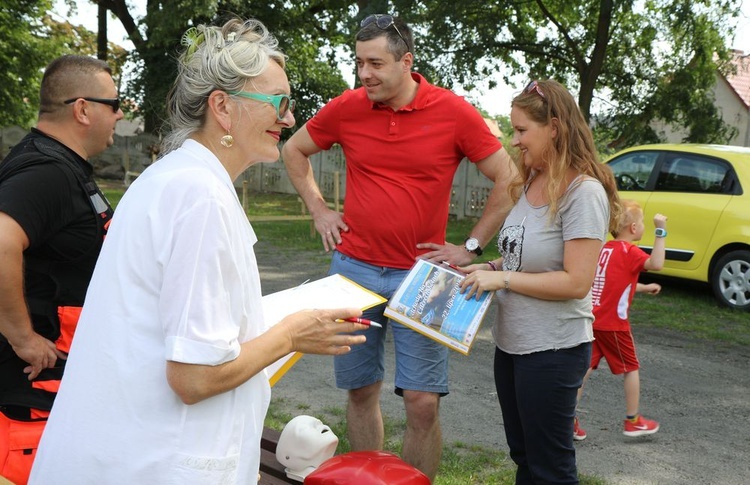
430, 302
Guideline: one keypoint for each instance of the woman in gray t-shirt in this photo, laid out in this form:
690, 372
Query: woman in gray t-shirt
565, 202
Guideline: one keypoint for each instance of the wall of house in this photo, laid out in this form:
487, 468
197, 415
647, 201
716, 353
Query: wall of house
733, 111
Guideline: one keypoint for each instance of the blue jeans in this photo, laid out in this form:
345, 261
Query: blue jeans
537, 394
421, 363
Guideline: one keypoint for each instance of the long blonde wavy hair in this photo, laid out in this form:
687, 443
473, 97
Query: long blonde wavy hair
573, 147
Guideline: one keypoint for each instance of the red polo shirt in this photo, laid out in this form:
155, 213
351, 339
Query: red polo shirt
400, 167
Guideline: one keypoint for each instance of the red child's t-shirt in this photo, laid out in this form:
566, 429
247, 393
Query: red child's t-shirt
620, 263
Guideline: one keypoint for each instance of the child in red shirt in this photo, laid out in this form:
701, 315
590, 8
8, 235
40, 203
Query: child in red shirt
615, 284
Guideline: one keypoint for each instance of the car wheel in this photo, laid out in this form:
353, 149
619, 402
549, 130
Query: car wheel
731, 280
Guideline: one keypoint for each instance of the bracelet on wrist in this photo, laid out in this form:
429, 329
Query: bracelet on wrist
492, 265
507, 280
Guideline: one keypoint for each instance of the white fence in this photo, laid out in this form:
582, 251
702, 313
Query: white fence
468, 196
130, 155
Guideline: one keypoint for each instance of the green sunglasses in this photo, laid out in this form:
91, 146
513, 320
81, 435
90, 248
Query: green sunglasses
282, 102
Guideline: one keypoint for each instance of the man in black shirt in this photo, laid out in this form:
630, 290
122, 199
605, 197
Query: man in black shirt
53, 219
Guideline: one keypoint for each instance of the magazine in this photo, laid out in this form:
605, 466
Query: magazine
334, 291
429, 300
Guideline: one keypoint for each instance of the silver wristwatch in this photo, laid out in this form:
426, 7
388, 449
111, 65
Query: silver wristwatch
472, 245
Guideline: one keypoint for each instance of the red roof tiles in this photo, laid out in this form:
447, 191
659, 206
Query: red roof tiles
740, 80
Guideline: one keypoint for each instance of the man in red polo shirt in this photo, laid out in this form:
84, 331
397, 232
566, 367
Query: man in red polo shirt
403, 140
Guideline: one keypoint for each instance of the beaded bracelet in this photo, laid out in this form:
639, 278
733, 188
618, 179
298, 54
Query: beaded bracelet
492, 265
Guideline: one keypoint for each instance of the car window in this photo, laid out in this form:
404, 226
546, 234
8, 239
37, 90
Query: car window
686, 172
632, 170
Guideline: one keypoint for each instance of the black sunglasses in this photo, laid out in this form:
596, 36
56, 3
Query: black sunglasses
383, 21
113, 102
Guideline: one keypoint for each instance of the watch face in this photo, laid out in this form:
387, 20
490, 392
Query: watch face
471, 244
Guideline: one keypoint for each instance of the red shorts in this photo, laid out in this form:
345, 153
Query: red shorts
18, 443
618, 348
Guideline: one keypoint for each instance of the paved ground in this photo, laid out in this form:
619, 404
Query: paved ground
698, 391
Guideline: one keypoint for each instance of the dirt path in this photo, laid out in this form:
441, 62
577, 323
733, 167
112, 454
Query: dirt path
699, 392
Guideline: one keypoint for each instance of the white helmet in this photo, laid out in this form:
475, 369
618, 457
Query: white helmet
304, 444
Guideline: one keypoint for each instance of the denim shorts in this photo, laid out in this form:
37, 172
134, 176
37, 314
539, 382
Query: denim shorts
421, 363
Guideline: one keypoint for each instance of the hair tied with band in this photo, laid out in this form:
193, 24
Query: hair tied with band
191, 39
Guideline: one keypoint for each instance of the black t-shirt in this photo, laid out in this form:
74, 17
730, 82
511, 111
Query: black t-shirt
50, 192
46, 199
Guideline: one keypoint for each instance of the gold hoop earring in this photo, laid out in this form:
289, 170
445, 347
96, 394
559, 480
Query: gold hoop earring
227, 140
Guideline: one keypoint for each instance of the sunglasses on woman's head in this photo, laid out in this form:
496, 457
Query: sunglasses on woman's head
533, 86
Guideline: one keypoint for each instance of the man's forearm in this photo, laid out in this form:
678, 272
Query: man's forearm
499, 168
300, 172
15, 322
495, 211
498, 204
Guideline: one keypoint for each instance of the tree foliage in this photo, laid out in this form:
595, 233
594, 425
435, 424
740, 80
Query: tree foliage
629, 62
29, 39
308, 31
638, 61
23, 54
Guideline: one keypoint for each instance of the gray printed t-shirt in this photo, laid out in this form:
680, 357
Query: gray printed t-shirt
531, 243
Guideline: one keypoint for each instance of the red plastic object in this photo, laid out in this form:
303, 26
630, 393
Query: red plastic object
366, 468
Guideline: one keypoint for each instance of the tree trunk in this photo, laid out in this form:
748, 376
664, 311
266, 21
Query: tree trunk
101, 35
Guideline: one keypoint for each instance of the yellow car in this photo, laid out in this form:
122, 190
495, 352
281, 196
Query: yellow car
704, 190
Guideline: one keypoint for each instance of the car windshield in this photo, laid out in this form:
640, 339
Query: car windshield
633, 170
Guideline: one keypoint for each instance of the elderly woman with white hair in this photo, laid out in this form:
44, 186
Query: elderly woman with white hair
165, 382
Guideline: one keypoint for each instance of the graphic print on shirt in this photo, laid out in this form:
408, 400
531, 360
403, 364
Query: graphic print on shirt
601, 272
510, 244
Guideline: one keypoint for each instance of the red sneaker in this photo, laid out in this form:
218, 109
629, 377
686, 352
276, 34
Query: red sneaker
641, 427
579, 434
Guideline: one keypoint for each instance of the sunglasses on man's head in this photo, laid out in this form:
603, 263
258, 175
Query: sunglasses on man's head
533, 86
282, 102
383, 21
114, 103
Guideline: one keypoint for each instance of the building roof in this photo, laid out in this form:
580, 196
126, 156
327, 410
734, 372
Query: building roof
740, 80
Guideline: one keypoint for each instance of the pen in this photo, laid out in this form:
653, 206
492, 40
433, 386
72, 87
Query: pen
452, 266
363, 321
